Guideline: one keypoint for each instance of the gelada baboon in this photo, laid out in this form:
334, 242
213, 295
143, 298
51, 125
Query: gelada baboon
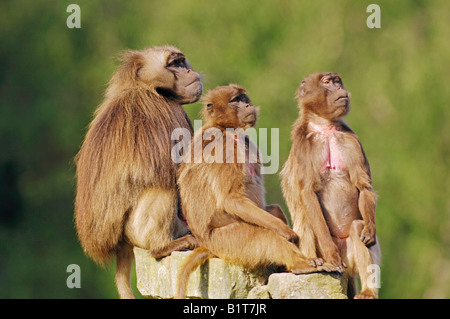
327, 184
222, 196
126, 181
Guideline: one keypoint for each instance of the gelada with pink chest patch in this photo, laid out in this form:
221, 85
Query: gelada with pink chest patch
327, 185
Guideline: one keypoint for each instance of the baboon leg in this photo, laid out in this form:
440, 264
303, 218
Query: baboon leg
360, 257
152, 224
185, 242
253, 246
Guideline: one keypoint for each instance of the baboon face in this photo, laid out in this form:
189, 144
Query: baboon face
245, 111
170, 73
324, 94
230, 106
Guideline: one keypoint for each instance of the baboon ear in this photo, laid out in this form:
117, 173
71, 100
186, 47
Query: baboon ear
302, 89
133, 63
136, 66
138, 71
209, 108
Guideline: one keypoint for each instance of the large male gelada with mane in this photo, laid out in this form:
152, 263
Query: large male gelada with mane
126, 180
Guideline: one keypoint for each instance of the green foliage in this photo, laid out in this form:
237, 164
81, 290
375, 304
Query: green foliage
53, 77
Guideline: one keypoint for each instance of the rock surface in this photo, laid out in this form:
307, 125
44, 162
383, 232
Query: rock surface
311, 286
217, 279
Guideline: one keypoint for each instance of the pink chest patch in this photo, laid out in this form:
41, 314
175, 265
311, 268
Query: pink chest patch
333, 159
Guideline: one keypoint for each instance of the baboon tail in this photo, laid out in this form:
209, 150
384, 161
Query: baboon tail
125, 257
196, 259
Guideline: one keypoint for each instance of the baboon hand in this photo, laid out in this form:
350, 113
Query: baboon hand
368, 235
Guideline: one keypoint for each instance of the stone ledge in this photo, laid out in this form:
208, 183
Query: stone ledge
217, 279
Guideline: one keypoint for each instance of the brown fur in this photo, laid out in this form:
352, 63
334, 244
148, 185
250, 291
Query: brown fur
224, 202
126, 180
195, 259
332, 209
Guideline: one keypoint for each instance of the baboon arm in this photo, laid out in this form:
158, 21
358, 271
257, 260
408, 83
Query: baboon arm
366, 204
243, 208
275, 210
367, 201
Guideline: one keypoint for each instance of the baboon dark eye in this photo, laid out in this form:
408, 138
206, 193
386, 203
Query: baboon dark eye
240, 98
178, 63
181, 63
236, 99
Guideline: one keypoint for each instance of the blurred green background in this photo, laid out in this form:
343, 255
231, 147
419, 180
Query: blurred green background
52, 78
